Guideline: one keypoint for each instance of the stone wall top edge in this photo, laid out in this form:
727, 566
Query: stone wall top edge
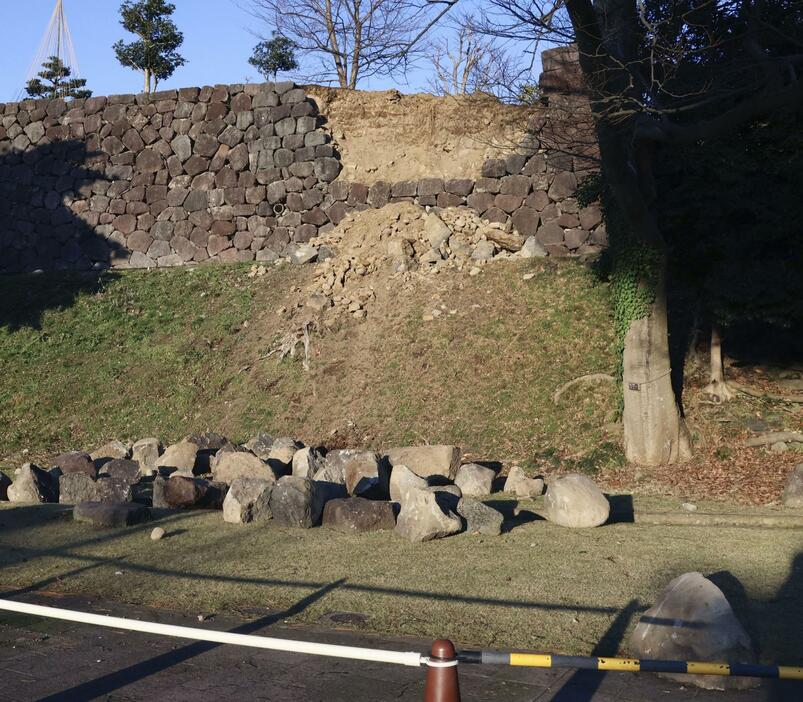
30, 104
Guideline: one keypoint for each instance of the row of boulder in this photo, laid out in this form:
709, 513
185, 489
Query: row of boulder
421, 492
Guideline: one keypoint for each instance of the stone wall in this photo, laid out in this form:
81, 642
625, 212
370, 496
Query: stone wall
238, 173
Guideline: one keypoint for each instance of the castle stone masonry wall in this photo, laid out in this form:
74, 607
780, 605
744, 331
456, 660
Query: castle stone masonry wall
229, 173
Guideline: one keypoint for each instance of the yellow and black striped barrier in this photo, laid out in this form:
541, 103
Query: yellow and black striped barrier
630, 665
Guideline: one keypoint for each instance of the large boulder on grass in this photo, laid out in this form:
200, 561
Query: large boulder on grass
124, 470
575, 501
32, 484
179, 458
521, 485
480, 518
75, 488
280, 456
356, 514
422, 518
146, 453
307, 462
228, 466
366, 476
693, 620
402, 480
474, 480
111, 515
248, 500
183, 492
75, 462
427, 461
297, 502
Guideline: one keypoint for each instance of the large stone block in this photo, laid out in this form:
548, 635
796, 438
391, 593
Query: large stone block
297, 502
356, 514
575, 501
426, 461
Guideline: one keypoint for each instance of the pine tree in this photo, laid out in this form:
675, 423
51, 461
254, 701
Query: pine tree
275, 55
55, 82
155, 54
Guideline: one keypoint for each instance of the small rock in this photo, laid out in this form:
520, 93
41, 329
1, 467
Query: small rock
356, 514
532, 249
436, 231
483, 251
521, 485
475, 271
301, 253
157, 533
474, 480
779, 447
480, 518
689, 507
422, 518
575, 501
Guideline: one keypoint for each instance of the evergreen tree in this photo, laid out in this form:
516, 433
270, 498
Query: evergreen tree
54, 82
274, 55
155, 53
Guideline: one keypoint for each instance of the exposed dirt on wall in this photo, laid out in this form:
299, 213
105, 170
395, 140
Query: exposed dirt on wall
390, 136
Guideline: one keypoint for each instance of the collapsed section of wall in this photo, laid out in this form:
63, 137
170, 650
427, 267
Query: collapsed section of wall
242, 173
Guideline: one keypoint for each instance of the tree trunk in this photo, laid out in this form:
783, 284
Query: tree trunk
717, 387
654, 431
147, 73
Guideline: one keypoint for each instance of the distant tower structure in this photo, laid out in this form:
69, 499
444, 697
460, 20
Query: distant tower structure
56, 41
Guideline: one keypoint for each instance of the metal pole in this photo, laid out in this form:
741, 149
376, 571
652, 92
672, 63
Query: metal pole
442, 683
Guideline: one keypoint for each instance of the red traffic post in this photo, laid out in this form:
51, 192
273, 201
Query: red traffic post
442, 684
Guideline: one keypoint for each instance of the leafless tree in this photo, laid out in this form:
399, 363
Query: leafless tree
466, 61
350, 39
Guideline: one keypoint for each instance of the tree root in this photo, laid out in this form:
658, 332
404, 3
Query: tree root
774, 437
797, 399
719, 391
582, 379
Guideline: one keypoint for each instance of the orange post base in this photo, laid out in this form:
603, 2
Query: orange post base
442, 684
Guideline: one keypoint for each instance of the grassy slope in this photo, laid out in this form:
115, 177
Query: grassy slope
531, 588
166, 353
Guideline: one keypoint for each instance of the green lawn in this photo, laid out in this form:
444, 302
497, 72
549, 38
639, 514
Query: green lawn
537, 587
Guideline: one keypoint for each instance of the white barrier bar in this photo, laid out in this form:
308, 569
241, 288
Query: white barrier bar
185, 632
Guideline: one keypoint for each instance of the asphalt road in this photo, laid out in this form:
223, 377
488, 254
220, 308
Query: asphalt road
50, 660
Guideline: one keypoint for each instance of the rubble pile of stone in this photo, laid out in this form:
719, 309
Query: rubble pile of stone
420, 492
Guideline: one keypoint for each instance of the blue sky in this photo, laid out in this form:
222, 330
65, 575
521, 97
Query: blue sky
217, 44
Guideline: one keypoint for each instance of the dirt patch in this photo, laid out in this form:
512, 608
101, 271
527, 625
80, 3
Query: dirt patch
390, 136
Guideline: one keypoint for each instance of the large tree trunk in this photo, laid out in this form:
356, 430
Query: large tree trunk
655, 433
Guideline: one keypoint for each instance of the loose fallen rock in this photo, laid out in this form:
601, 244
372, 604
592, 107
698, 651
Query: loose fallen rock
248, 500
365, 475
75, 462
427, 461
111, 515
228, 466
33, 484
693, 620
157, 534
480, 518
402, 479
179, 457
575, 501
475, 480
297, 502
422, 518
146, 453
357, 514
521, 485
